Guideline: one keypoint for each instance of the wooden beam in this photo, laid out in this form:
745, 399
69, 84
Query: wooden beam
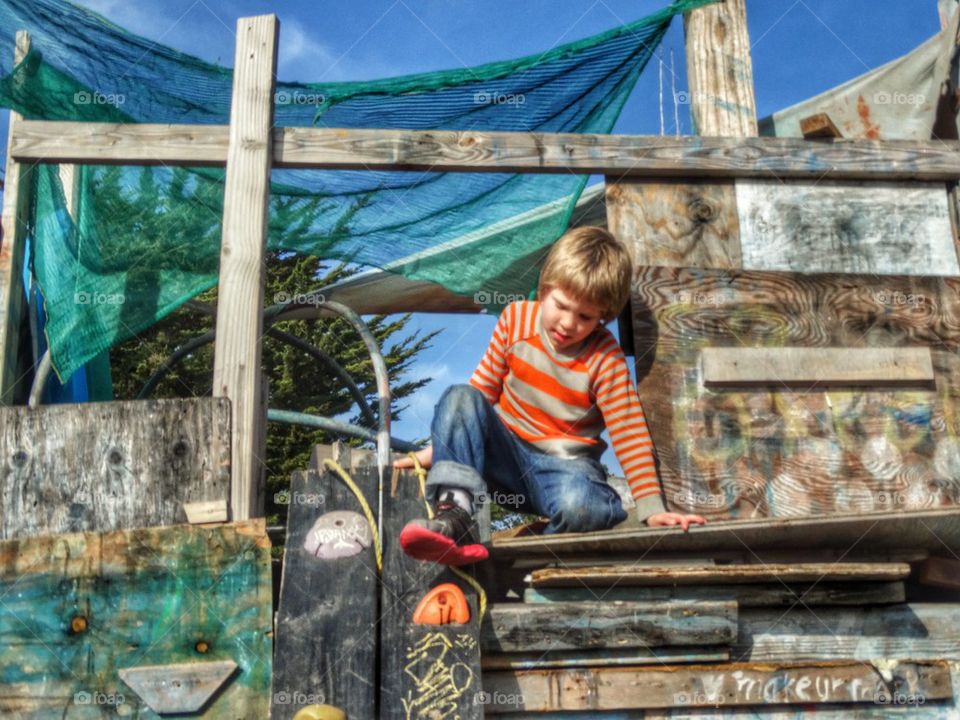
16, 197
776, 594
236, 373
500, 152
518, 627
930, 529
732, 684
819, 126
719, 70
807, 368
601, 658
940, 572
604, 576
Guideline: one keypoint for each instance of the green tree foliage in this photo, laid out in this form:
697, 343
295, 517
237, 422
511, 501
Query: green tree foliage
296, 381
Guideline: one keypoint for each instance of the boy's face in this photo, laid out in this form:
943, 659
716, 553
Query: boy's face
566, 320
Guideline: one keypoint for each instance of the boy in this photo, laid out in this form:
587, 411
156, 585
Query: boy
528, 425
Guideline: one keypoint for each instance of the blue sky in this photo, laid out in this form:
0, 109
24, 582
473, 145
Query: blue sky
799, 48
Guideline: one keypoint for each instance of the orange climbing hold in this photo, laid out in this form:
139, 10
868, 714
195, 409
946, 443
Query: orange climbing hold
443, 605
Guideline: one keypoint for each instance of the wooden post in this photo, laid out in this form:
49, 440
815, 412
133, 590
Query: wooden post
236, 372
719, 70
11, 251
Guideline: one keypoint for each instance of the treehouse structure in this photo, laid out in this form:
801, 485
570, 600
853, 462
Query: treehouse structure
795, 321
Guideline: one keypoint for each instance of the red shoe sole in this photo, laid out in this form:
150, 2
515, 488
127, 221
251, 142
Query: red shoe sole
423, 544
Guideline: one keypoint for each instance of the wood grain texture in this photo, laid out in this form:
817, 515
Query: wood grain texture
237, 371
471, 151
811, 368
719, 70
601, 658
108, 466
780, 594
326, 637
16, 200
883, 228
759, 453
607, 576
519, 627
930, 529
676, 224
426, 671
78, 608
710, 686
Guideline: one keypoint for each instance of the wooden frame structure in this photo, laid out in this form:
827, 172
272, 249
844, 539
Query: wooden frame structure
249, 147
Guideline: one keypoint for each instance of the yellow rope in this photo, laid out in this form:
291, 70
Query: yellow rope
481, 595
378, 551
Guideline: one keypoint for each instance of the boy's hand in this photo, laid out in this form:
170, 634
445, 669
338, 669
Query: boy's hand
425, 457
672, 518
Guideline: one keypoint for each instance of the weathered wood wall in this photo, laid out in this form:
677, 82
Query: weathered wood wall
785, 451
107, 466
77, 609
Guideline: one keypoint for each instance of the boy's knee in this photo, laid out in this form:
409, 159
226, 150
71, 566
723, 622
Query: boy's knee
578, 511
460, 398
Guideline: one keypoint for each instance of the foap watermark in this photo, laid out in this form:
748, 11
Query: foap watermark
503, 499
285, 497
494, 297
83, 297
98, 98
884, 97
686, 498
297, 97
698, 298
292, 298
295, 697
500, 699
685, 97
895, 297
493, 97
698, 698
884, 697
98, 698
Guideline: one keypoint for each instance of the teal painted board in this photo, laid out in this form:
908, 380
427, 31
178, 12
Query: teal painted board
77, 609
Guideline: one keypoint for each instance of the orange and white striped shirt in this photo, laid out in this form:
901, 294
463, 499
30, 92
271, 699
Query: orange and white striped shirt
560, 402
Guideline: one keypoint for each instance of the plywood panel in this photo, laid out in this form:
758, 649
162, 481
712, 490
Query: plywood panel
882, 228
726, 453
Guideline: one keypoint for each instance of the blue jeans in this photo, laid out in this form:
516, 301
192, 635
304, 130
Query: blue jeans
475, 451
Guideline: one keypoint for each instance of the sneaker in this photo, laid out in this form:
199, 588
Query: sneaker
450, 537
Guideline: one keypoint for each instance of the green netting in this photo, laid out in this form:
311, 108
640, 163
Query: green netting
145, 240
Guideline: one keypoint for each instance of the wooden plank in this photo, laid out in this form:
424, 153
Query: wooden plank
326, 638
16, 199
107, 466
604, 576
719, 70
517, 627
676, 224
601, 658
712, 686
745, 595
921, 631
78, 609
236, 371
426, 671
819, 125
753, 452
206, 511
471, 151
931, 529
810, 368
940, 572
883, 228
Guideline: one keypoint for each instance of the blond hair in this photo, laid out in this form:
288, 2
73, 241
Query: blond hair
591, 265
